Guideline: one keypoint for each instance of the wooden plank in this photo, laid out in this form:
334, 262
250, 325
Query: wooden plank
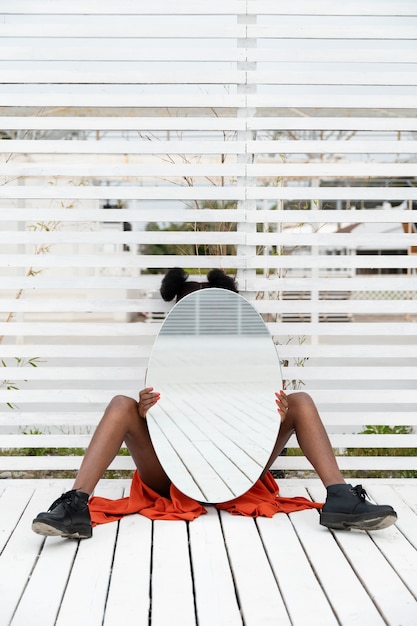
25, 122
402, 497
339, 122
60, 97
402, 305
215, 594
87, 588
122, 7
326, 7
372, 28
129, 588
127, 51
128, 29
129, 77
304, 263
260, 598
294, 573
119, 146
341, 77
12, 506
293, 216
339, 581
172, 584
20, 555
56, 558
395, 602
306, 53
89, 418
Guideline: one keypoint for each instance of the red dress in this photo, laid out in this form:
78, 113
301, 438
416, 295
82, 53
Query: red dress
262, 499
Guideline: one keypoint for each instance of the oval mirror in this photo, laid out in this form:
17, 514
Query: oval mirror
217, 369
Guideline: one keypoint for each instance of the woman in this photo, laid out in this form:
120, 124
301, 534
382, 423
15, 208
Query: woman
125, 421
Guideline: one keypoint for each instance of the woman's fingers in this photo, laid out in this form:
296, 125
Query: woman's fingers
281, 400
147, 398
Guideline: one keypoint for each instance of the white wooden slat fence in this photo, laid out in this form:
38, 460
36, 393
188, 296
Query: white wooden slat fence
280, 139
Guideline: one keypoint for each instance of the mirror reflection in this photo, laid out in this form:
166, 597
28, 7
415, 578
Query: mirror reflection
216, 367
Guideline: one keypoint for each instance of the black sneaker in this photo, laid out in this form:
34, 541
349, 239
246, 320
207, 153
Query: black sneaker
346, 507
67, 517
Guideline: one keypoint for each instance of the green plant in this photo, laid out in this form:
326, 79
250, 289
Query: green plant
8, 384
383, 429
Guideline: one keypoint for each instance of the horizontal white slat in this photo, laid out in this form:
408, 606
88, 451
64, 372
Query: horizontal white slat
328, 170
271, 284
149, 215
206, 192
352, 463
26, 419
79, 351
89, 418
51, 146
292, 216
117, 329
329, 123
14, 463
111, 236
44, 441
341, 77
137, 146
304, 262
257, 7
349, 28
128, 76
37, 97
350, 373
127, 52
332, 147
306, 53
379, 307
207, 123
82, 441
332, 240
365, 329
377, 441
129, 373
130, 29
121, 7
264, 170
66, 305
368, 27
135, 77
328, 7
76, 373
141, 123
112, 170
58, 329
320, 351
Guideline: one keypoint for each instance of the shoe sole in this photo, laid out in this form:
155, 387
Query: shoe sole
339, 522
41, 528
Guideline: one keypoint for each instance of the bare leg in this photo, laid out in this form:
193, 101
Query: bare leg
302, 418
121, 422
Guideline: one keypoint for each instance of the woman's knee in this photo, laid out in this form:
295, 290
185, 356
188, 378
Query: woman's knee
122, 404
300, 400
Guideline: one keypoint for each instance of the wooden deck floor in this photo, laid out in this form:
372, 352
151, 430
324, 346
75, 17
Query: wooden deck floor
217, 570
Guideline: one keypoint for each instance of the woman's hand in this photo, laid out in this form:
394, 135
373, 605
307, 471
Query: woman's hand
281, 400
147, 398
